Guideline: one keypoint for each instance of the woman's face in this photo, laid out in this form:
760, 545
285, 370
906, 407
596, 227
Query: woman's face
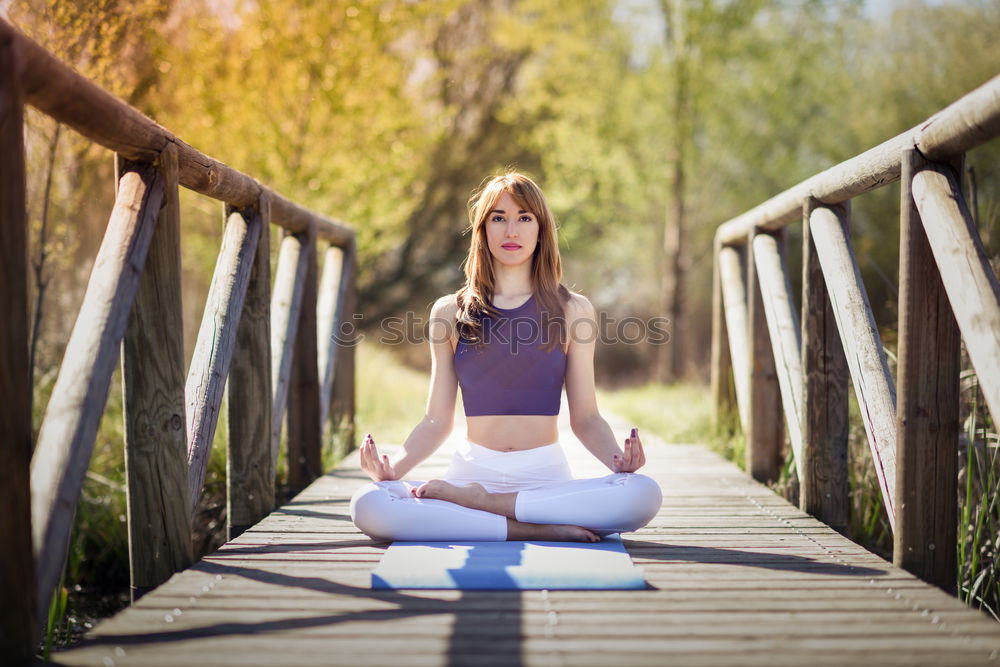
511, 231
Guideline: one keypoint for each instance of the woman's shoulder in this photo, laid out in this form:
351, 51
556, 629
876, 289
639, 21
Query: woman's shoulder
577, 305
445, 306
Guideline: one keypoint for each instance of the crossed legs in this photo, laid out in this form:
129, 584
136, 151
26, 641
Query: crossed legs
475, 496
575, 510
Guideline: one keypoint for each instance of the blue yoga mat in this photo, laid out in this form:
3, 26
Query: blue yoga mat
508, 565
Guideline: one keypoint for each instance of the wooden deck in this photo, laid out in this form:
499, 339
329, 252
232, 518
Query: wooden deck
737, 577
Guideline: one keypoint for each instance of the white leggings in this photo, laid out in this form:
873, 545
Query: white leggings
546, 493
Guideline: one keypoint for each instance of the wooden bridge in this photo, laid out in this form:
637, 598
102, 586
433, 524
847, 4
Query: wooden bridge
736, 574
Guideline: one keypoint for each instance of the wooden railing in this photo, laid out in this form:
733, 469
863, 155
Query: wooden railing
276, 350
791, 372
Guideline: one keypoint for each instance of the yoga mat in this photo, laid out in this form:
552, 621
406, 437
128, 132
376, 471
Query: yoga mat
508, 565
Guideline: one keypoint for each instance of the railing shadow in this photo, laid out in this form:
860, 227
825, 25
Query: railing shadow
753, 559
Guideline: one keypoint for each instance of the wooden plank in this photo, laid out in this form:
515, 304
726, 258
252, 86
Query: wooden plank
723, 398
766, 433
304, 438
60, 92
927, 408
823, 485
330, 308
966, 273
342, 407
249, 467
866, 360
783, 330
213, 351
734, 297
286, 301
17, 568
159, 525
66, 438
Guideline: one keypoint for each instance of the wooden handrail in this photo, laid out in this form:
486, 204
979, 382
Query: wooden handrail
961, 126
945, 277
56, 89
132, 303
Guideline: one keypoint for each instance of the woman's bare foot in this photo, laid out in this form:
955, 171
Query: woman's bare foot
518, 530
470, 495
473, 496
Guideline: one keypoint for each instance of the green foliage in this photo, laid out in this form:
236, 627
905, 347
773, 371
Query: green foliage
979, 509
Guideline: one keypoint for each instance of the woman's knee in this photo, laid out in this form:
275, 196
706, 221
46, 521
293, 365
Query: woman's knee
642, 499
369, 512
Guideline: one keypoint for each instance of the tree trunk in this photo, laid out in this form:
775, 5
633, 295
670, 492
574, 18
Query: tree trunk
670, 363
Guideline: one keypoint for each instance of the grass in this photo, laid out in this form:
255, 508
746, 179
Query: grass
676, 413
979, 512
391, 397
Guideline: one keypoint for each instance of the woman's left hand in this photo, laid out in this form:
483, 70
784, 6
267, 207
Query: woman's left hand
633, 458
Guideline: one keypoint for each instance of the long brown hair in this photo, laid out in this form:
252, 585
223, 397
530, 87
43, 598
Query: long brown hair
473, 299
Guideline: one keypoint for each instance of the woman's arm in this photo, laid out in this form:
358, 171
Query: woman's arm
439, 417
585, 419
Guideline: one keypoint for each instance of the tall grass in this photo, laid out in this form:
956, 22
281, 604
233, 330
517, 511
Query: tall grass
979, 512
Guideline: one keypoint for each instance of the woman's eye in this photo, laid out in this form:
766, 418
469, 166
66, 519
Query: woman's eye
525, 218
497, 218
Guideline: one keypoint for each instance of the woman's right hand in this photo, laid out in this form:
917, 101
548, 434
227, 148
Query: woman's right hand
377, 467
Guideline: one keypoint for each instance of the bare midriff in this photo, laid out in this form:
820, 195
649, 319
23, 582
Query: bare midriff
508, 433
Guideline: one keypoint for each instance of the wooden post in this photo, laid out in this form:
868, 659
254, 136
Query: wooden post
17, 567
927, 402
342, 406
866, 360
213, 350
823, 485
66, 438
732, 277
783, 330
285, 303
766, 432
249, 467
723, 402
330, 307
304, 426
159, 523
972, 286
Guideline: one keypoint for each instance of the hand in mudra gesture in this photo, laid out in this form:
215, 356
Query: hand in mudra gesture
633, 458
377, 467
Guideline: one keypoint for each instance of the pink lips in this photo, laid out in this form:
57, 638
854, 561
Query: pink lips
510, 246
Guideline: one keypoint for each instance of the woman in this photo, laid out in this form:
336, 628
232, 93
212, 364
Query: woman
510, 337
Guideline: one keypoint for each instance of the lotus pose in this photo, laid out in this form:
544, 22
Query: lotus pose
510, 337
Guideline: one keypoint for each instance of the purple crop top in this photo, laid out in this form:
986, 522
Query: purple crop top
510, 374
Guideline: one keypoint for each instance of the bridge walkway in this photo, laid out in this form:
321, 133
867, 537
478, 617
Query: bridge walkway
737, 576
